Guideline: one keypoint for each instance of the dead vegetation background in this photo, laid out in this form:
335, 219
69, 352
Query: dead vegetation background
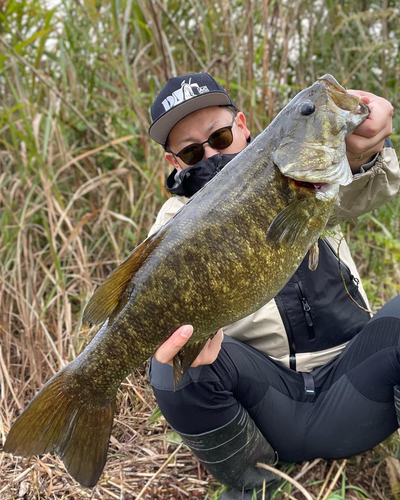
80, 184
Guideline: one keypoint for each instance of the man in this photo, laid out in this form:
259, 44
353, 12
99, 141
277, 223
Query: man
308, 375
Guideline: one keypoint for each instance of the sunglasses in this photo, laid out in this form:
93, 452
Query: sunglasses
219, 140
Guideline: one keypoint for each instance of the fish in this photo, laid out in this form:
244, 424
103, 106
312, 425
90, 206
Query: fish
225, 254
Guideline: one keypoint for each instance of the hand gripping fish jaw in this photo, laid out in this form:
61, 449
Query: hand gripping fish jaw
321, 158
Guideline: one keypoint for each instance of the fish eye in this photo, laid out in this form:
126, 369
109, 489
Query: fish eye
307, 108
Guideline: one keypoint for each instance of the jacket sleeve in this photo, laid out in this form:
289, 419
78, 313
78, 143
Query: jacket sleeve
370, 189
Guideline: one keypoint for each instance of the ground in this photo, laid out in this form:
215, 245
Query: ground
147, 461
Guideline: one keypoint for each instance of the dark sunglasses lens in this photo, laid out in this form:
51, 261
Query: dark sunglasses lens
221, 139
192, 154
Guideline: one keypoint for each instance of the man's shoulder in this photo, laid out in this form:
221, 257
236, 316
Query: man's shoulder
167, 211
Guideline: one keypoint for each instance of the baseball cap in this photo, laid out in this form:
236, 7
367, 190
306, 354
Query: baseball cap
181, 96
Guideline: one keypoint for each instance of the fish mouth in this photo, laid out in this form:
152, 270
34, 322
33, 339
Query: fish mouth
342, 98
350, 107
338, 94
315, 186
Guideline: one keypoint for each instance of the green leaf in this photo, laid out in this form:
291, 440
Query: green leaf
35, 36
156, 415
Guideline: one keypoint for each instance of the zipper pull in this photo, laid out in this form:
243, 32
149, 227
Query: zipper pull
355, 280
307, 309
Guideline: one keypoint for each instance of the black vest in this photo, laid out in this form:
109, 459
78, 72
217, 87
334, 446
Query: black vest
315, 308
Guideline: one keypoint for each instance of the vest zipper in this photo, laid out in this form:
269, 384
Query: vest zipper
306, 309
353, 278
288, 328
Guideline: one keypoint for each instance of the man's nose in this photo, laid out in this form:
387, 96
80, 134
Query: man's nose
209, 151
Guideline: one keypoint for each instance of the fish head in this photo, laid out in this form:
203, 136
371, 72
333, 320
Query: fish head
312, 133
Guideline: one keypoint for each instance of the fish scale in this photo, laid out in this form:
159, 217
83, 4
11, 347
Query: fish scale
225, 254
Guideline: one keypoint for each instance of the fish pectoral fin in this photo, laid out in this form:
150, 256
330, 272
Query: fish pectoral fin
60, 419
313, 257
108, 296
334, 219
185, 358
289, 224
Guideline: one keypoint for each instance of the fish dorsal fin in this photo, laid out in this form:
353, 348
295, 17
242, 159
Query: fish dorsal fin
107, 297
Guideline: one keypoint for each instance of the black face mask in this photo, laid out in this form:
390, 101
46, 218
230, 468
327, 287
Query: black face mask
192, 179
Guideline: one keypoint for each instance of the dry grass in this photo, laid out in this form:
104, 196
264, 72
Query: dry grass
138, 450
147, 460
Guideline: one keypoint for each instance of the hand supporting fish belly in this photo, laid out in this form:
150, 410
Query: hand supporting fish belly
223, 256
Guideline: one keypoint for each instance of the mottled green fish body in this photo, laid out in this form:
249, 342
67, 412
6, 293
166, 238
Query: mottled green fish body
228, 251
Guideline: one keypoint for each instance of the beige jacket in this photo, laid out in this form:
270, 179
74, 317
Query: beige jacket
264, 329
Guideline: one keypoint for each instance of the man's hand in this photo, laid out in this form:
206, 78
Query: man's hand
367, 140
166, 353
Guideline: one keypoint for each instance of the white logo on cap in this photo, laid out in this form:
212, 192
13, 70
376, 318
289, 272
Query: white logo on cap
186, 92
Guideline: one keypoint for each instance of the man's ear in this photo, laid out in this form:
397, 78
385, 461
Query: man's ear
241, 123
171, 159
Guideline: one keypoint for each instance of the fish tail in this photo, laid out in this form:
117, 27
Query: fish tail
61, 419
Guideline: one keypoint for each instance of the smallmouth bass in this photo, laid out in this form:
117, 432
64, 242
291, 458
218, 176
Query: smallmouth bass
226, 253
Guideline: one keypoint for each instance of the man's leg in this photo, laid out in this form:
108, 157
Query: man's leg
212, 422
212, 410
354, 408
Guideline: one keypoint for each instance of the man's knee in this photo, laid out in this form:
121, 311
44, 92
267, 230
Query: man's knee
390, 310
201, 401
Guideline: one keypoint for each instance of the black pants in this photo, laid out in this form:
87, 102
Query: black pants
351, 410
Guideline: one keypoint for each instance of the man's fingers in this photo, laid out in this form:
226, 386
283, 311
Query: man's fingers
174, 344
215, 345
365, 99
360, 93
373, 128
367, 140
357, 144
166, 352
211, 350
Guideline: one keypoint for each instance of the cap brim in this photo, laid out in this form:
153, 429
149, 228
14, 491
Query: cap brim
160, 129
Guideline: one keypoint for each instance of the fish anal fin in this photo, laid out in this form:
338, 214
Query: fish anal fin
313, 257
59, 420
185, 358
107, 297
289, 224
